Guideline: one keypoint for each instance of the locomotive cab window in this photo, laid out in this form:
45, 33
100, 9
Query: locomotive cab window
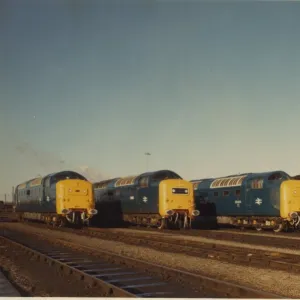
163, 175
275, 176
64, 176
160, 176
174, 176
238, 193
216, 194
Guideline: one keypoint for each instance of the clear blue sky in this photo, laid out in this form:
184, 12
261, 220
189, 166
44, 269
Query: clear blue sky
209, 89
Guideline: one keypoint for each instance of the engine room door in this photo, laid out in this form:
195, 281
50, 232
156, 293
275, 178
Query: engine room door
248, 198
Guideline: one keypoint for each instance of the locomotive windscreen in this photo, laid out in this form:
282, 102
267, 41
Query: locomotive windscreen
66, 175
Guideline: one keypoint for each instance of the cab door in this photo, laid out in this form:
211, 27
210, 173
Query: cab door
255, 197
146, 197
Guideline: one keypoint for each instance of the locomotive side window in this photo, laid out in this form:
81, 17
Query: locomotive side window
238, 193
216, 194
225, 193
257, 184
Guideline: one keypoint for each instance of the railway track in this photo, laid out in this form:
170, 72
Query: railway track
126, 277
7, 215
289, 240
113, 279
228, 230
264, 259
6, 288
245, 256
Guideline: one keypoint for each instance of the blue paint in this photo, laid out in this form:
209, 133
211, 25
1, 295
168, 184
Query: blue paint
42, 198
248, 199
142, 196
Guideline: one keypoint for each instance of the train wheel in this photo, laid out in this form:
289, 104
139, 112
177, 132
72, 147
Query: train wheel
62, 222
278, 228
258, 228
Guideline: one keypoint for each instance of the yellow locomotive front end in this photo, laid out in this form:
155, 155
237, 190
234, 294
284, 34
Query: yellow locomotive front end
176, 203
75, 201
290, 202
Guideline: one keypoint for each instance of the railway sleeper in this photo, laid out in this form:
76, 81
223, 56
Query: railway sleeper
124, 282
211, 251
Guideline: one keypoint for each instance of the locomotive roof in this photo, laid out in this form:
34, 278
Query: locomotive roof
24, 184
262, 174
61, 172
234, 180
38, 180
128, 180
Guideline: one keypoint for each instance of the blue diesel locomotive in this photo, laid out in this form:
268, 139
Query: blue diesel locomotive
60, 198
161, 199
259, 200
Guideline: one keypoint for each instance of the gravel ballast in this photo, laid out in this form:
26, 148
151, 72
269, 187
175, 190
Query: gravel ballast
212, 241
277, 282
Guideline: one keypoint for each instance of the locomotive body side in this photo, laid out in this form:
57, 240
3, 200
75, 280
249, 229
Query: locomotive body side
29, 197
260, 200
